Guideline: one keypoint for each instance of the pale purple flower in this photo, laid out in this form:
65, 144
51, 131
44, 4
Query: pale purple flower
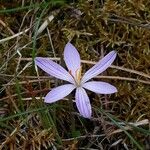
73, 76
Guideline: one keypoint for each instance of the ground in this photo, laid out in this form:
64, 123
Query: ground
42, 28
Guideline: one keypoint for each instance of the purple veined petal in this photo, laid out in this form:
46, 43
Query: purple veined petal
72, 58
100, 87
83, 102
59, 92
53, 69
101, 66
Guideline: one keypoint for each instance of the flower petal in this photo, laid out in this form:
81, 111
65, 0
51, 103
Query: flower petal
53, 69
83, 103
100, 87
101, 66
72, 58
59, 92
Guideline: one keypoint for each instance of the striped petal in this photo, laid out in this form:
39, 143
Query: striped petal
101, 66
100, 87
72, 58
53, 69
59, 92
83, 102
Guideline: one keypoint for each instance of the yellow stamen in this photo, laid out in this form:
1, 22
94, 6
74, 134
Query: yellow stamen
78, 75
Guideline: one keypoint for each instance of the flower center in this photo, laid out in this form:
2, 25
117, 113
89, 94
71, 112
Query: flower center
77, 76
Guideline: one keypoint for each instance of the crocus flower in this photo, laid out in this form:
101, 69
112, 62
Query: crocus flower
76, 81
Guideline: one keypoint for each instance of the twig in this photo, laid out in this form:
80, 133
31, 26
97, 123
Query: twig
131, 71
99, 77
26, 66
45, 24
1, 22
50, 39
136, 124
24, 82
146, 26
84, 136
93, 63
123, 78
12, 100
14, 36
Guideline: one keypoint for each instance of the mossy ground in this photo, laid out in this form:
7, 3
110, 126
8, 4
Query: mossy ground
95, 28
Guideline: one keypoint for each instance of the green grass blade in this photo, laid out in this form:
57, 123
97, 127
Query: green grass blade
12, 10
122, 128
2, 119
